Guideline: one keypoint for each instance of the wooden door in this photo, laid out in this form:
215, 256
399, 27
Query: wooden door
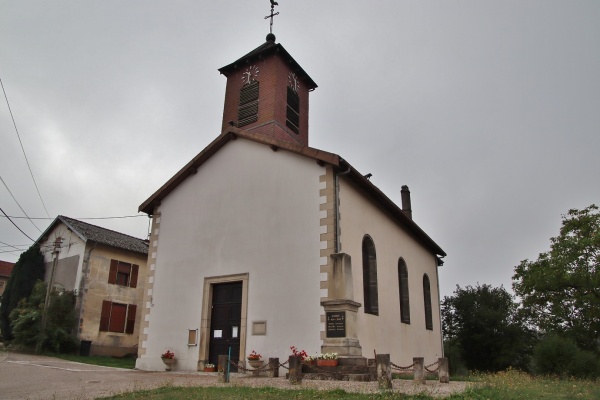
226, 316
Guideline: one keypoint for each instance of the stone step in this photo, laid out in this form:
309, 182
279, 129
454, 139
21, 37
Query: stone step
334, 376
343, 369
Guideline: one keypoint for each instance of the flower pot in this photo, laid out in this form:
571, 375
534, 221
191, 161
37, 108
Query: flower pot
209, 369
256, 364
327, 363
168, 362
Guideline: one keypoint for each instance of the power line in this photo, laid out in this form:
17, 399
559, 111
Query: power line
12, 222
23, 148
6, 186
14, 247
82, 218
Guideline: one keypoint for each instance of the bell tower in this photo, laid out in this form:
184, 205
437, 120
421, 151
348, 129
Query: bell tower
267, 93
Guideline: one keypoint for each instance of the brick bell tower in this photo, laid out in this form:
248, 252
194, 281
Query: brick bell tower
267, 93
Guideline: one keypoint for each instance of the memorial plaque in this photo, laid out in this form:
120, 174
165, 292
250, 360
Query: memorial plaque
335, 325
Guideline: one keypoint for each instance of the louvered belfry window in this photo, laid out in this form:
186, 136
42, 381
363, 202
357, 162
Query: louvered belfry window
293, 110
248, 108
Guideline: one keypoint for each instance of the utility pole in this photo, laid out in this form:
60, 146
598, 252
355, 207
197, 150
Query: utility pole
57, 243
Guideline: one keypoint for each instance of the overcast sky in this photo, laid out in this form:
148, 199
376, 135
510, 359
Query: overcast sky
488, 110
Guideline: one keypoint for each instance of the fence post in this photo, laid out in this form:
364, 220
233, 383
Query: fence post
295, 370
273, 367
222, 368
384, 371
443, 370
419, 363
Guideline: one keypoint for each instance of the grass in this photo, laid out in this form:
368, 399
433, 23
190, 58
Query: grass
509, 385
513, 384
105, 361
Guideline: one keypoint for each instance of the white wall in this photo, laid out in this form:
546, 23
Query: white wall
247, 210
72, 245
385, 333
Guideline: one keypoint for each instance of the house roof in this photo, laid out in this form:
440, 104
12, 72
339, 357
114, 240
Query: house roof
6, 268
320, 156
100, 235
264, 50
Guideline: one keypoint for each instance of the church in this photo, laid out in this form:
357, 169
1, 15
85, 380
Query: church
262, 242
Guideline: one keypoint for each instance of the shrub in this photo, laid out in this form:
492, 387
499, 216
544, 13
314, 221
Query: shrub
26, 320
455, 362
556, 355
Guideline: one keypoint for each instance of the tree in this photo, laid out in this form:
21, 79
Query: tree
27, 270
562, 287
26, 320
486, 326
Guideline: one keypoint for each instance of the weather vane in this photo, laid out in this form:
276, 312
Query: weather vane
273, 4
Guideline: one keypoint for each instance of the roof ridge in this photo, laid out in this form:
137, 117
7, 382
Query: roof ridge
100, 227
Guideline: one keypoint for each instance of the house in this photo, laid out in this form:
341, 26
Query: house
261, 242
107, 269
5, 271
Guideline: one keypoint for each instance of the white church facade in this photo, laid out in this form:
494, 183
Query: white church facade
260, 239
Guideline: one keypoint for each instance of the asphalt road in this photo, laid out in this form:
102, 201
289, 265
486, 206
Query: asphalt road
25, 376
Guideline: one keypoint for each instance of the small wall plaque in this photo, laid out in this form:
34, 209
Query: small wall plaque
259, 327
192, 337
335, 324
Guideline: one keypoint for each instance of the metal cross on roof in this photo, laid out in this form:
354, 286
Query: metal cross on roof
273, 4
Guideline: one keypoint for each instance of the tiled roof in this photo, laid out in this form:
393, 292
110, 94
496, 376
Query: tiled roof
105, 236
264, 50
322, 157
6, 268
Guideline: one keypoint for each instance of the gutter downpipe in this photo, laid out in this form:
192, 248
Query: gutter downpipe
338, 245
437, 278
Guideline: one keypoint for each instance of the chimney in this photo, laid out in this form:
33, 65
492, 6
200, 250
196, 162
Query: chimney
406, 209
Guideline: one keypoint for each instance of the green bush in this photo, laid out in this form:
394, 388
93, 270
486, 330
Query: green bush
455, 362
556, 355
26, 321
585, 365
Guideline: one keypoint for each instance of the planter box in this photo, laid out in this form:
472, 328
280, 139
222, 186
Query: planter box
327, 363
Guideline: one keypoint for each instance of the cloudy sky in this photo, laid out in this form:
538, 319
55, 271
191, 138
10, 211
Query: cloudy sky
488, 110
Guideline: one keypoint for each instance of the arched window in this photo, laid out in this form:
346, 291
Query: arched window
403, 286
427, 302
370, 276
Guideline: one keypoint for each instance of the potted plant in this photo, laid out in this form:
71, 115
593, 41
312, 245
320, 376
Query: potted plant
254, 359
168, 358
209, 367
311, 360
328, 360
299, 353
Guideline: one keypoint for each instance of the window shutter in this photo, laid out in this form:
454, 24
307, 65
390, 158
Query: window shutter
112, 274
131, 318
134, 275
105, 316
118, 315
